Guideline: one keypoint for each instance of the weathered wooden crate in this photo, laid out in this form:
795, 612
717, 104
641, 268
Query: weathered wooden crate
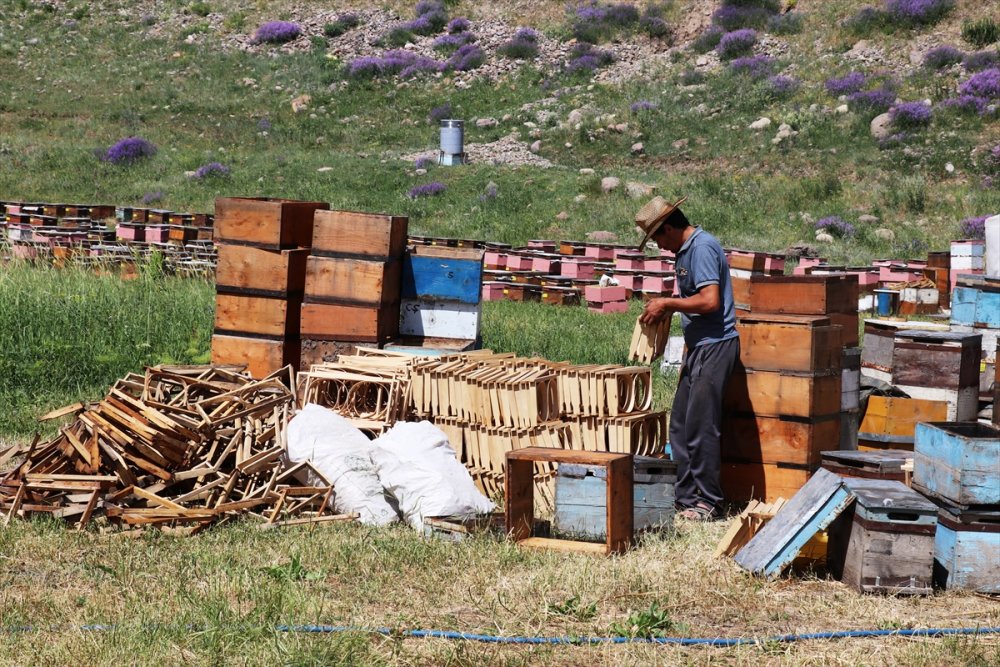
958, 462
275, 224
884, 543
778, 440
261, 356
349, 321
443, 274
884, 464
967, 549
890, 422
352, 281
940, 366
257, 315
766, 482
880, 341
804, 295
789, 394
581, 498
440, 319
359, 235
255, 271
775, 342
963, 305
850, 379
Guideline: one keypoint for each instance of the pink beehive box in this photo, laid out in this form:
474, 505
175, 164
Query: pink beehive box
546, 264
609, 307
519, 262
659, 265
493, 291
544, 245
157, 234
493, 259
653, 285
631, 261
598, 294
577, 269
602, 252
774, 263
630, 281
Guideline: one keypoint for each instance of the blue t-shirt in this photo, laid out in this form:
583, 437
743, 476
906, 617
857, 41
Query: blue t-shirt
700, 262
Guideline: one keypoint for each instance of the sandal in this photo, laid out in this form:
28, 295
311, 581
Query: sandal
700, 512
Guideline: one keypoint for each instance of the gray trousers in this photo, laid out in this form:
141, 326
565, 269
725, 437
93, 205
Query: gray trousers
696, 419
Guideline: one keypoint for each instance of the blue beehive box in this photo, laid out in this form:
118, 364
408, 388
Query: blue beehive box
958, 462
963, 305
967, 549
581, 497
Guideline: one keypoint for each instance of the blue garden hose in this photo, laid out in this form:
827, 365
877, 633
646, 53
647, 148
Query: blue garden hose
568, 640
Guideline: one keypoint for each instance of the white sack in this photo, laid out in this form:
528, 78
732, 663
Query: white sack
418, 467
343, 454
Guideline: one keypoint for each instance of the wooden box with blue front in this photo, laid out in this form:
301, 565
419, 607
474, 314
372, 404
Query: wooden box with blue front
441, 292
958, 462
581, 497
884, 543
967, 549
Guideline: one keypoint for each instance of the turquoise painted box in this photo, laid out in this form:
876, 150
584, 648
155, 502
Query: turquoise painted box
581, 498
967, 550
958, 462
963, 305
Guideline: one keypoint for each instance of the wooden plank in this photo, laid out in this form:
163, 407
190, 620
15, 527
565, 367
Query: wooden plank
255, 271
352, 281
789, 345
620, 505
566, 546
811, 510
785, 440
363, 235
261, 357
265, 223
350, 322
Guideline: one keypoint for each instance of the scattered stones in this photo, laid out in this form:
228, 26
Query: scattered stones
842, 109
575, 117
867, 219
950, 168
761, 123
680, 144
785, 131
508, 151
420, 172
609, 184
823, 237
487, 122
620, 128
586, 171
535, 146
562, 215
885, 234
637, 190
881, 126
568, 145
301, 103
602, 236
323, 170
637, 148
579, 199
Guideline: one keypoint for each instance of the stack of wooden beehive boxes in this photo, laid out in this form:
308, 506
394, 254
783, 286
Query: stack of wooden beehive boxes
352, 283
975, 309
784, 402
263, 245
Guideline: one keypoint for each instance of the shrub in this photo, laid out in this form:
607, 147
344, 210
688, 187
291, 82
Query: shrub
398, 35
656, 27
128, 151
871, 101
942, 56
467, 57
343, 23
965, 104
980, 60
433, 14
782, 86
586, 58
983, 84
211, 169
449, 43
981, 33
519, 49
365, 67
643, 105
836, 226
440, 113
867, 21
691, 77
736, 43
594, 22
973, 228
918, 12
790, 23
756, 67
911, 115
734, 17
276, 32
707, 40
152, 197
851, 82
432, 189
457, 25
423, 163
200, 9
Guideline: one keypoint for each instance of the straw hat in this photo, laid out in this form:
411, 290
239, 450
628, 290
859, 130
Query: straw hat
651, 216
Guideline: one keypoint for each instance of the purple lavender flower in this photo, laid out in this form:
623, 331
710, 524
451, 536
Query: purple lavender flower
276, 32
871, 101
911, 115
782, 85
836, 226
707, 40
920, 12
526, 35
851, 82
490, 193
993, 159
365, 67
585, 58
894, 140
263, 125
428, 7
643, 105
467, 57
973, 228
967, 104
427, 190
458, 24
422, 163
211, 169
421, 25
519, 48
983, 84
129, 150
756, 67
656, 27
433, 14
942, 56
734, 17
622, 14
736, 43
449, 43
440, 113
980, 60
593, 21
152, 197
